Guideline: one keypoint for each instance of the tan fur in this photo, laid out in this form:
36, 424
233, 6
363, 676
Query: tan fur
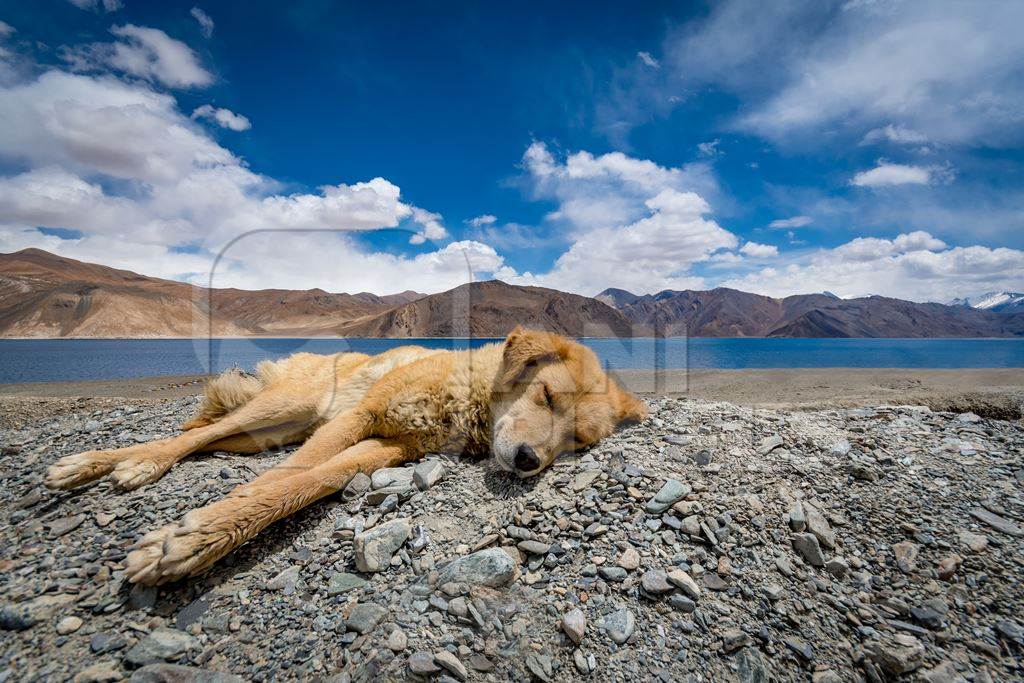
524, 401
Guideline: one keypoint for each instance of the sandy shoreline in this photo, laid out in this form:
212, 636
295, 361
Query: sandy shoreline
767, 388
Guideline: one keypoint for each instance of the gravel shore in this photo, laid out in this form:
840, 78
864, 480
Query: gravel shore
712, 542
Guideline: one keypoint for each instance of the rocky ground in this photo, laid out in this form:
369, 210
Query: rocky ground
713, 542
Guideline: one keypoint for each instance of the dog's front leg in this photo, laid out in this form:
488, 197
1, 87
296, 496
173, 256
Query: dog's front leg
207, 534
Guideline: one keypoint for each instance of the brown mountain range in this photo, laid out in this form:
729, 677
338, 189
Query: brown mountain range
44, 295
731, 313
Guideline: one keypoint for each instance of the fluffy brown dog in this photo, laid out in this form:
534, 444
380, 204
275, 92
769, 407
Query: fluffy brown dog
524, 400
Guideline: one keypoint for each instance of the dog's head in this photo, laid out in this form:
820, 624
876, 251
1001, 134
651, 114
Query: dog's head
552, 396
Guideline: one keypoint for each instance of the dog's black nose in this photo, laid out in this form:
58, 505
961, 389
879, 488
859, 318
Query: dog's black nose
526, 459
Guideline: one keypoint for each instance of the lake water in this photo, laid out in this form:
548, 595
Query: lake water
47, 360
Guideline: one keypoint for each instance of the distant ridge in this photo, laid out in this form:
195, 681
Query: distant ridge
724, 312
45, 295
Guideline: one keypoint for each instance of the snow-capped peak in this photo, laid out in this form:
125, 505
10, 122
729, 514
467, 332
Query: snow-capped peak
992, 301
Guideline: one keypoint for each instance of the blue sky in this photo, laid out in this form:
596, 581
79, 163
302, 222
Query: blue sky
860, 147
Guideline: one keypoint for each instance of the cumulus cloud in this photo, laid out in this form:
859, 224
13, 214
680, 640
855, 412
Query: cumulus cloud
430, 226
886, 173
632, 223
225, 118
759, 251
129, 180
480, 221
147, 53
205, 21
96, 5
788, 223
912, 266
647, 59
6, 29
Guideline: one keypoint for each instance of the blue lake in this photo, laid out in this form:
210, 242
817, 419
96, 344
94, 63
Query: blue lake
47, 360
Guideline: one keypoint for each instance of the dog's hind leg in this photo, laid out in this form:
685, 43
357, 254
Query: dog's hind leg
137, 465
260, 440
207, 534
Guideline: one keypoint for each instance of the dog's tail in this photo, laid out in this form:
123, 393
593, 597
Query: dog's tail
227, 391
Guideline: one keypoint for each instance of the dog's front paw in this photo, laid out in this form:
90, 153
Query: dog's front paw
187, 548
78, 469
135, 472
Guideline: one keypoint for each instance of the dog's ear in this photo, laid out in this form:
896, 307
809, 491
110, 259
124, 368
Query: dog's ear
631, 410
523, 350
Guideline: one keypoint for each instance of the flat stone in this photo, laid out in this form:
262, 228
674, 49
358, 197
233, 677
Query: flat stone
613, 573
176, 673
343, 582
807, 545
750, 666
63, 525
685, 583
574, 623
906, 555
996, 522
797, 518
69, 625
818, 525
802, 650
769, 444
397, 640
897, 656
373, 549
491, 567
540, 666
356, 487
451, 663
364, 617
391, 476
682, 603
619, 625
655, 582
161, 645
422, 663
533, 547
100, 672
733, 639
976, 543
428, 473
671, 492
629, 559
583, 480
285, 581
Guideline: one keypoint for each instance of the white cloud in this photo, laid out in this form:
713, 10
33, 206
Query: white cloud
949, 72
893, 174
120, 163
205, 21
647, 59
794, 222
430, 226
102, 125
632, 223
148, 53
913, 266
6, 29
105, 5
710, 148
480, 221
896, 134
225, 118
759, 251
